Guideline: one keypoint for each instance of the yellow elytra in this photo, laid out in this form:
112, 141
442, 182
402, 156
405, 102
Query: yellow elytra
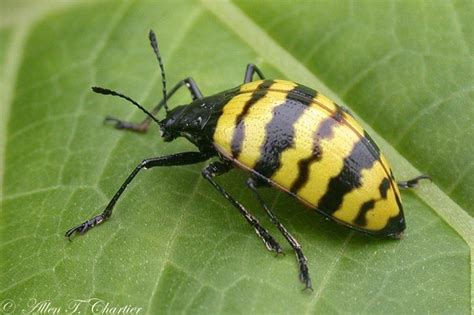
308, 146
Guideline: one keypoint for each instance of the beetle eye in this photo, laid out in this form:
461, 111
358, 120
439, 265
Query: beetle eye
167, 136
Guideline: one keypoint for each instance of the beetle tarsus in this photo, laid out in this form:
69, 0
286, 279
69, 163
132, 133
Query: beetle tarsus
412, 183
252, 183
304, 272
271, 244
121, 124
304, 277
279, 252
84, 227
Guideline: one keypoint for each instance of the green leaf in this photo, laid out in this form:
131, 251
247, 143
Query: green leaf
173, 244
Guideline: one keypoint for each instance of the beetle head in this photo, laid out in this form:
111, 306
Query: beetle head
186, 121
169, 125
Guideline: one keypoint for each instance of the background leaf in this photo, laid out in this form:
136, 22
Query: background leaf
173, 244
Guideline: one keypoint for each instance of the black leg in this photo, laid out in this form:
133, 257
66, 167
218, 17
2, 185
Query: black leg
300, 257
218, 168
412, 183
250, 71
169, 160
143, 126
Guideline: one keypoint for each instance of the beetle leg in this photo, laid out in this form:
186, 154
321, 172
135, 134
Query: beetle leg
143, 126
219, 168
300, 257
250, 71
169, 160
412, 183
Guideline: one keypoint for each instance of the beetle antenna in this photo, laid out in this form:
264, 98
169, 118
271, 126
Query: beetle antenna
105, 91
154, 45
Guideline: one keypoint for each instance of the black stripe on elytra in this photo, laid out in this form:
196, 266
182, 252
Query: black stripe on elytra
349, 177
301, 92
384, 186
361, 220
325, 131
212, 108
239, 132
304, 165
280, 131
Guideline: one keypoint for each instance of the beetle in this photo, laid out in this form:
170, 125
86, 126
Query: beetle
284, 135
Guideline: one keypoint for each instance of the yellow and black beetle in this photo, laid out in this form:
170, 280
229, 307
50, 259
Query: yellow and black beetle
285, 135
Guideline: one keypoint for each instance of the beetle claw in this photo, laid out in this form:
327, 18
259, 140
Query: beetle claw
272, 245
278, 250
304, 277
412, 183
84, 227
121, 124
72, 231
118, 124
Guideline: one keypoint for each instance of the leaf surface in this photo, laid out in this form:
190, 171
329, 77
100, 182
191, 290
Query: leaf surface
173, 244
